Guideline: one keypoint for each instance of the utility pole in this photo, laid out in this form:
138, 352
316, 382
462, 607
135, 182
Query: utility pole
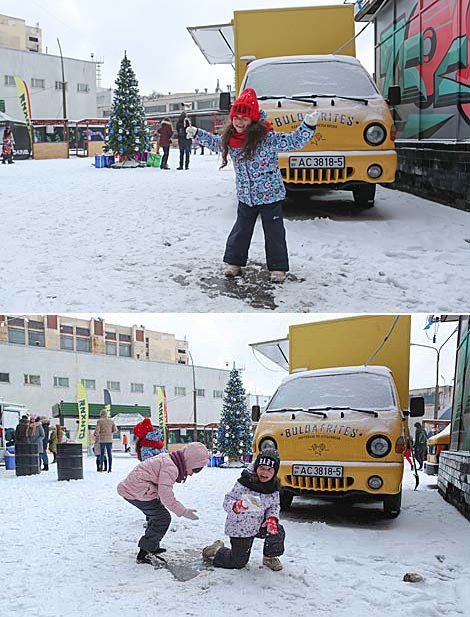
64, 104
194, 397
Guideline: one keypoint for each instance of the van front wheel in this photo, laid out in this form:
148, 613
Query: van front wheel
364, 195
286, 498
392, 505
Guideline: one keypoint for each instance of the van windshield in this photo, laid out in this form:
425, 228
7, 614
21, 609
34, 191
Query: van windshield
307, 78
356, 390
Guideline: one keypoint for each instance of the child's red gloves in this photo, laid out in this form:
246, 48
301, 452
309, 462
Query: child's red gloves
271, 525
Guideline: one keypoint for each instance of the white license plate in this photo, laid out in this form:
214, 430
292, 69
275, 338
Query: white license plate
316, 162
318, 471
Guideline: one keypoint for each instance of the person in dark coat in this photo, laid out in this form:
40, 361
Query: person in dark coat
184, 142
43, 456
165, 133
420, 444
21, 431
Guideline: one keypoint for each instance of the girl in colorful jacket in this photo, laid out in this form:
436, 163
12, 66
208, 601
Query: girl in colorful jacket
252, 508
149, 487
253, 146
149, 440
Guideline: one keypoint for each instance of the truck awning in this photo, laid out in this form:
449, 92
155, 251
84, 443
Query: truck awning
215, 42
277, 351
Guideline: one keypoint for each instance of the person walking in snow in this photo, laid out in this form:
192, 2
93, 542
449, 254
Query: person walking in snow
252, 508
149, 440
100, 465
8, 145
149, 487
105, 428
253, 146
165, 132
184, 141
36, 435
43, 456
420, 445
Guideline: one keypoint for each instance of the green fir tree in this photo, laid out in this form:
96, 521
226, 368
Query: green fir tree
128, 133
235, 434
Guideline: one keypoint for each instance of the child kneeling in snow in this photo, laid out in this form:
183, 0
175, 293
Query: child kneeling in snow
252, 508
149, 487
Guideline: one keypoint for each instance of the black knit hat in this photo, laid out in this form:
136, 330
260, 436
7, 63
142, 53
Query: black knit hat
269, 458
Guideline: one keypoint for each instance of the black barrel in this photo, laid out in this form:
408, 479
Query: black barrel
27, 459
69, 461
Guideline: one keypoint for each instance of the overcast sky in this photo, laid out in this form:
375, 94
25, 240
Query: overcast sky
218, 340
162, 52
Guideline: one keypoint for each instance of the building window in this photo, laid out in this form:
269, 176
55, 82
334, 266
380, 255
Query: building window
2, 106
111, 348
10, 80
34, 39
89, 384
82, 331
200, 392
155, 109
61, 382
181, 350
179, 391
218, 394
66, 342
114, 386
36, 338
32, 380
59, 85
66, 329
16, 335
4, 377
124, 350
155, 388
83, 344
137, 388
83, 88
111, 335
181, 361
38, 83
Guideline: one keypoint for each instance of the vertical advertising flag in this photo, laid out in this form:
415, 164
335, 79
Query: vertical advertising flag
82, 402
25, 104
162, 413
107, 402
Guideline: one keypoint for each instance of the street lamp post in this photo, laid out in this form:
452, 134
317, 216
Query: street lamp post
438, 357
194, 394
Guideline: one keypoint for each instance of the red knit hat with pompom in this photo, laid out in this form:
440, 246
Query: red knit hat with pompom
142, 428
246, 105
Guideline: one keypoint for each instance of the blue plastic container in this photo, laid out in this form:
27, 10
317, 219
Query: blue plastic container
100, 161
109, 160
212, 461
220, 460
10, 461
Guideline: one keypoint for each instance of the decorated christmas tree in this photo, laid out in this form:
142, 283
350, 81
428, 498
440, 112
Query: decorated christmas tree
128, 133
235, 435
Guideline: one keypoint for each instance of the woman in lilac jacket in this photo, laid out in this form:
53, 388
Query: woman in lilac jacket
149, 487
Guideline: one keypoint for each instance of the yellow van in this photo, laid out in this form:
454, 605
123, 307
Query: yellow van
340, 433
436, 444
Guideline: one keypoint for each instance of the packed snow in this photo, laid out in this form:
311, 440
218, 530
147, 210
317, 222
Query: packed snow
69, 548
77, 238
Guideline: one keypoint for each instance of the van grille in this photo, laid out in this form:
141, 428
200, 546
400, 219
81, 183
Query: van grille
316, 176
319, 484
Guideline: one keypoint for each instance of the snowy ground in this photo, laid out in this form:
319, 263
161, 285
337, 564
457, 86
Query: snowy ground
76, 238
69, 549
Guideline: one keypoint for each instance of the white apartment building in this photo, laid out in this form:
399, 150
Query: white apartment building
40, 377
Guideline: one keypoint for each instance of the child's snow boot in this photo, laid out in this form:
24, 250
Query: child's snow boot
209, 551
232, 270
273, 563
278, 276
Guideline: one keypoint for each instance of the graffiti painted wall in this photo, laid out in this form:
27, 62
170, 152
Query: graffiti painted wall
423, 45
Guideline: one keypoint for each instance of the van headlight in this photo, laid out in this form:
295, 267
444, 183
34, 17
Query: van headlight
379, 446
268, 443
375, 134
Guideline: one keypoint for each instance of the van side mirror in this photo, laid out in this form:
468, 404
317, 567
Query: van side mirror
417, 406
255, 413
225, 101
394, 95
